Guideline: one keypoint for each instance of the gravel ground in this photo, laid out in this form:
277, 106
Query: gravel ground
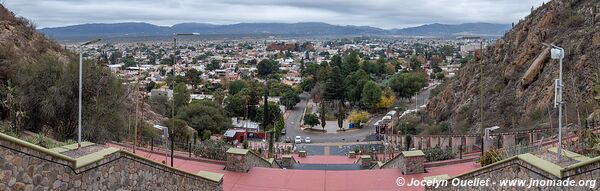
76, 153
551, 157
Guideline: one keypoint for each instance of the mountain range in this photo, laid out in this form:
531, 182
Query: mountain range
139, 29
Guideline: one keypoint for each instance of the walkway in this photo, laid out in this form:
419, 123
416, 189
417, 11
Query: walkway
311, 180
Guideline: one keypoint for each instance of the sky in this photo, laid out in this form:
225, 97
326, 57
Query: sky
385, 14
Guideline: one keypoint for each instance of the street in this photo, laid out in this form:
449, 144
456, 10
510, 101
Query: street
292, 124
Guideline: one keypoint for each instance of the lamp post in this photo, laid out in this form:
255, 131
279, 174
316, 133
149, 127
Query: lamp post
175, 63
558, 53
173, 87
80, 88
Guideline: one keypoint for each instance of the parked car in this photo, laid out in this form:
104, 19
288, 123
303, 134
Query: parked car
283, 132
288, 140
298, 140
307, 140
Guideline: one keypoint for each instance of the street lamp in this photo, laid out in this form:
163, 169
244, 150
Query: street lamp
80, 88
173, 90
558, 53
175, 63
486, 136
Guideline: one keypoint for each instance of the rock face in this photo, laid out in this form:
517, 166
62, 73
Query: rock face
21, 43
515, 77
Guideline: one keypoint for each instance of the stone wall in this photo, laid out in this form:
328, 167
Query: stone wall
413, 165
29, 168
513, 169
396, 163
254, 160
242, 160
287, 161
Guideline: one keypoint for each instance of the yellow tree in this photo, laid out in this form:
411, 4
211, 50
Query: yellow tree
387, 99
357, 117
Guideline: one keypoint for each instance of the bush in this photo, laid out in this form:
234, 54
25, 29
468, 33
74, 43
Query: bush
206, 134
491, 156
245, 144
438, 154
212, 149
45, 142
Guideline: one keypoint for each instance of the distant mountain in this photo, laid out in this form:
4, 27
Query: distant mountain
436, 29
303, 28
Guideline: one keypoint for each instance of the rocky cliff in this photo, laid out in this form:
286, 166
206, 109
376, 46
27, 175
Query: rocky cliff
515, 75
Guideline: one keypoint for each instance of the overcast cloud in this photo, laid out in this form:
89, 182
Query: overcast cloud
378, 13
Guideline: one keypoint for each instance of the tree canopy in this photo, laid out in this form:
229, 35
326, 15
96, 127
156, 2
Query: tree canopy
289, 99
267, 67
53, 103
405, 85
371, 95
205, 115
311, 120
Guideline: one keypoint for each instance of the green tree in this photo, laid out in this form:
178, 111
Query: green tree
350, 63
161, 104
181, 96
289, 99
267, 67
213, 65
311, 120
206, 134
178, 129
407, 84
354, 85
205, 115
193, 77
219, 96
234, 105
416, 62
322, 113
371, 95
274, 113
236, 86
53, 103
151, 85
334, 87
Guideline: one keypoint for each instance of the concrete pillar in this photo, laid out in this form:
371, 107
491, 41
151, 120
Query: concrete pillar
470, 143
416, 142
435, 142
365, 161
287, 161
456, 142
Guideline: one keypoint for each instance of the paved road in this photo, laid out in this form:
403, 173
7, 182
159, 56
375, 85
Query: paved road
292, 124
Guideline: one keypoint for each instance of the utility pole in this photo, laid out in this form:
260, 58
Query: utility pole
481, 62
558, 53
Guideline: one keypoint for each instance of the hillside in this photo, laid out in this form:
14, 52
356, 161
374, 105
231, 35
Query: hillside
517, 74
20, 43
298, 29
38, 88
